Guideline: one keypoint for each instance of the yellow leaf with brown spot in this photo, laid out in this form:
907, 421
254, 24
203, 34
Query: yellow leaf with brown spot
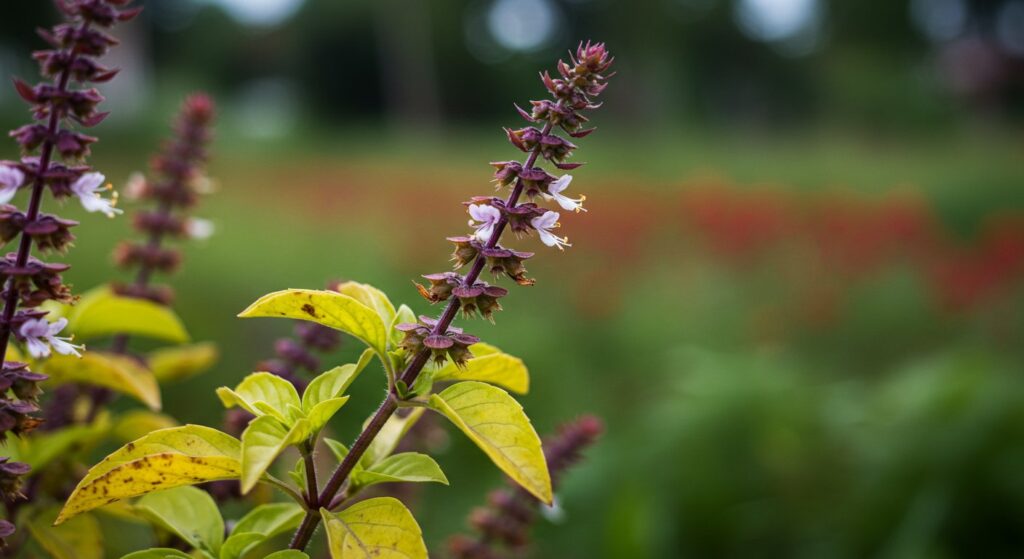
380, 527
330, 308
163, 459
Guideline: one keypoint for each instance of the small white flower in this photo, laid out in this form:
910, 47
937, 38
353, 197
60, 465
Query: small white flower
544, 224
555, 193
38, 333
136, 186
202, 184
200, 229
11, 178
553, 512
88, 188
488, 216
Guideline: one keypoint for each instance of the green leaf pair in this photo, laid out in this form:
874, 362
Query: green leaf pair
192, 515
282, 418
403, 467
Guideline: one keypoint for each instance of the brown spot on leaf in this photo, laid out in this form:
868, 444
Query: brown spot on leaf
309, 309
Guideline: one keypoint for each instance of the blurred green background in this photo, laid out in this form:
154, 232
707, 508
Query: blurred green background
796, 299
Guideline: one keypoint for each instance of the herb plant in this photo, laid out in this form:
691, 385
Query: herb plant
414, 353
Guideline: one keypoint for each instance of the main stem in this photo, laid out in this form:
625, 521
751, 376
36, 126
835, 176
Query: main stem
388, 407
34, 204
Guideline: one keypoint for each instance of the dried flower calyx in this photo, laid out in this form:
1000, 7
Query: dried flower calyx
453, 344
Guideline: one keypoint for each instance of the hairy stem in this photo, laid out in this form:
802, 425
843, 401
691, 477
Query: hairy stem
312, 488
412, 370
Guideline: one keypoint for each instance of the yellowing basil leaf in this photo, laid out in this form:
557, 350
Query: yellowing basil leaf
189, 513
80, 538
101, 312
389, 436
275, 392
263, 440
333, 383
137, 423
181, 362
496, 423
371, 297
163, 459
489, 364
329, 308
380, 527
407, 466
116, 372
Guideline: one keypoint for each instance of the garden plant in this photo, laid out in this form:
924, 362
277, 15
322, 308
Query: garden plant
167, 474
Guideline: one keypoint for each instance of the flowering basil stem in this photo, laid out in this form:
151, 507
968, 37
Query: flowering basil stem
54, 152
282, 411
579, 82
179, 180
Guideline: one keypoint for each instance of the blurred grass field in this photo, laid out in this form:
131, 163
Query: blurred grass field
741, 419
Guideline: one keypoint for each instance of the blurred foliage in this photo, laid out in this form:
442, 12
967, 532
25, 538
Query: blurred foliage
768, 391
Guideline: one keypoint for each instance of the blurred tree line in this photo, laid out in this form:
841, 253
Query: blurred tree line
684, 61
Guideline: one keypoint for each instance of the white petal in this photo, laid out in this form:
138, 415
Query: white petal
484, 232
484, 213
547, 238
7, 192
34, 328
476, 212
55, 328
96, 203
569, 204
546, 221
61, 346
88, 183
11, 177
551, 240
37, 348
135, 187
559, 184
199, 228
203, 185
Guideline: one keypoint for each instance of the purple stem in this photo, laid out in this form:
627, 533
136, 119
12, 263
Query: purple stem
412, 370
